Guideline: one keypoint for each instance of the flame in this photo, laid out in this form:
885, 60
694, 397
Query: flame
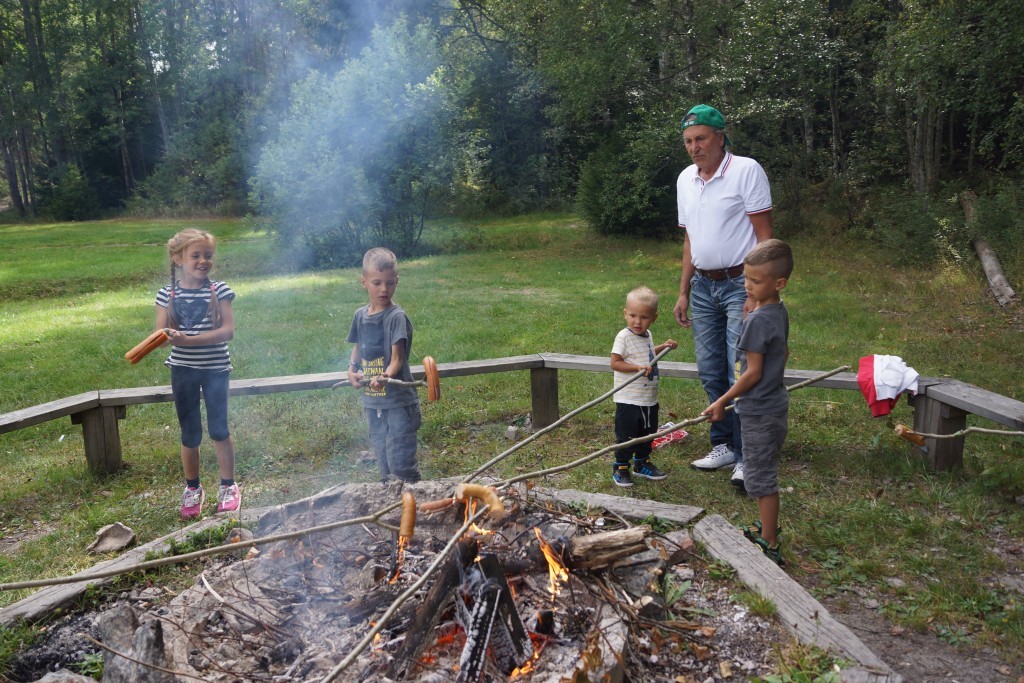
471, 504
557, 572
529, 667
402, 543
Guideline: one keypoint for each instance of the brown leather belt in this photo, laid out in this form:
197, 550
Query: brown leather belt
722, 273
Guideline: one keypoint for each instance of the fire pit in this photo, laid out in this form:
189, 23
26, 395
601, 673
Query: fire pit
536, 594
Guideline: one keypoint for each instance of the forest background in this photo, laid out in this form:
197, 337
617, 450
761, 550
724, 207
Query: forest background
338, 124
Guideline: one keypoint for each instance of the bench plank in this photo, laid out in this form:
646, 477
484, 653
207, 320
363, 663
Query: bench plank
44, 412
971, 399
636, 509
565, 361
321, 380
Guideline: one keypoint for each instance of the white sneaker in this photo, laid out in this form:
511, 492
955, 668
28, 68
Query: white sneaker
737, 476
719, 457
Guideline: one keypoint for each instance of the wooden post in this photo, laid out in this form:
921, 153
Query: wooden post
102, 437
544, 392
934, 417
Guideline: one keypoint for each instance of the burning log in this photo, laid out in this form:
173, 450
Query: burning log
595, 551
421, 631
600, 550
490, 618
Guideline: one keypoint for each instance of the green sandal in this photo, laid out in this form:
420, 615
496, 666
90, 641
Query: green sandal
772, 552
753, 531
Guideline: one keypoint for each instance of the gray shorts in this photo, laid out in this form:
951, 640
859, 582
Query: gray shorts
393, 433
763, 436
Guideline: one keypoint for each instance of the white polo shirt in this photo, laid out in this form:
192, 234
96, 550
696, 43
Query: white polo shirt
715, 213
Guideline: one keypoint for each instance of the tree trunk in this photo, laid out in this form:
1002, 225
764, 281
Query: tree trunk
142, 38
42, 82
997, 281
23, 160
923, 142
11, 171
126, 162
692, 73
974, 143
837, 143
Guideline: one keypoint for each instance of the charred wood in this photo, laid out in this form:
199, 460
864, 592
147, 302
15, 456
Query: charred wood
421, 631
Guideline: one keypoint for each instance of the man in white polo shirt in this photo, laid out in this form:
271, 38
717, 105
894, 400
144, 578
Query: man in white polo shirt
725, 205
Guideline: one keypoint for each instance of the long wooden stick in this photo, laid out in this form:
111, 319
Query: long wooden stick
536, 435
649, 437
175, 559
409, 592
910, 435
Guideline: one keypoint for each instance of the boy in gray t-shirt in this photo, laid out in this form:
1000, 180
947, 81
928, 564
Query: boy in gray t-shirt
382, 336
762, 398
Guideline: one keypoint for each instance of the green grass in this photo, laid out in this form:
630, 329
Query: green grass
860, 513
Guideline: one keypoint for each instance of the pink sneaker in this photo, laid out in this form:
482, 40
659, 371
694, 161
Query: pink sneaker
192, 502
229, 498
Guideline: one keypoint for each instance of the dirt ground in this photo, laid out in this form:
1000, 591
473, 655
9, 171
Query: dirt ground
923, 657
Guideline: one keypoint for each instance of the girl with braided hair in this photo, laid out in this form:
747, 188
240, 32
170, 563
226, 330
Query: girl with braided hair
195, 312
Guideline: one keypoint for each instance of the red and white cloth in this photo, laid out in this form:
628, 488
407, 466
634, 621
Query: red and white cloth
883, 379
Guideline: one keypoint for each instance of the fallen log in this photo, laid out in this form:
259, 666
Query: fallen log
997, 281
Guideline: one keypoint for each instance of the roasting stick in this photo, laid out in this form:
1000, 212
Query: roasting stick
918, 438
649, 437
533, 437
174, 559
408, 593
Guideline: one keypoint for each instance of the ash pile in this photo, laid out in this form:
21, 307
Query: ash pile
517, 590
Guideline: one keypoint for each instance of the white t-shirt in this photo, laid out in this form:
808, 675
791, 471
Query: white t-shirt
715, 212
638, 351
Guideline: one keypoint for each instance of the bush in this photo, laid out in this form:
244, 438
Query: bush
70, 197
916, 229
618, 196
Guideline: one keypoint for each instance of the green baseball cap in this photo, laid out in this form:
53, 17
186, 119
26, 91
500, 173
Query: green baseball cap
705, 115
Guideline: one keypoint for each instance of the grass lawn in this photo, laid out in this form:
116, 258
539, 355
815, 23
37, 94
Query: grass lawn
858, 510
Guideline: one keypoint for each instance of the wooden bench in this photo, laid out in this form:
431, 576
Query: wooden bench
99, 411
940, 407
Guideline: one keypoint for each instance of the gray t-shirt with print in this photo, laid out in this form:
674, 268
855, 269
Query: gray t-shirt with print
376, 334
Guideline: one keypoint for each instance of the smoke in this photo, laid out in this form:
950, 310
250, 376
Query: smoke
355, 148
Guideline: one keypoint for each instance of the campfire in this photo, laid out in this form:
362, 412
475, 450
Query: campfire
470, 587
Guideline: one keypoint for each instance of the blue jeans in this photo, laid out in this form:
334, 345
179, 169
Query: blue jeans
716, 308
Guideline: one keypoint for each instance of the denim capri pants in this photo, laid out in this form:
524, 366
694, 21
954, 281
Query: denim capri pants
186, 384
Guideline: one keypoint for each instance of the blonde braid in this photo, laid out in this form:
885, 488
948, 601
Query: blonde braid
214, 310
172, 318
